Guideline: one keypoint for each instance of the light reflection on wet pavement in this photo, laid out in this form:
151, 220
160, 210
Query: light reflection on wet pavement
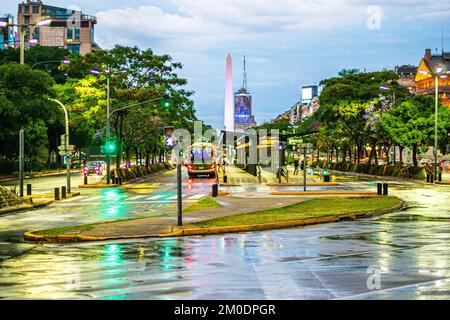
319, 262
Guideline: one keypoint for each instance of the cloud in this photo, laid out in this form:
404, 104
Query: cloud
201, 24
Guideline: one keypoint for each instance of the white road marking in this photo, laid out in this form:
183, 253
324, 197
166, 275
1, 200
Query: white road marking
197, 196
92, 198
135, 197
154, 197
74, 198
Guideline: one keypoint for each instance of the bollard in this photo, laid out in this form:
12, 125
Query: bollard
385, 189
215, 190
28, 189
225, 179
85, 179
120, 180
440, 176
428, 177
379, 188
63, 193
56, 193
431, 178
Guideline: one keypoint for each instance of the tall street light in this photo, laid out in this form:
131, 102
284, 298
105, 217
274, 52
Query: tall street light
65, 61
437, 73
386, 88
66, 117
22, 28
166, 104
107, 73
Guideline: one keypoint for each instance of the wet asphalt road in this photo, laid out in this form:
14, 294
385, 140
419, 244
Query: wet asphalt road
330, 261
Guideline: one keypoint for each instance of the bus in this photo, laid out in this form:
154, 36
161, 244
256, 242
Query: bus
201, 160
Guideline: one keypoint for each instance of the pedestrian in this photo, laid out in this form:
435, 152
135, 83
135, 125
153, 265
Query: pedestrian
296, 163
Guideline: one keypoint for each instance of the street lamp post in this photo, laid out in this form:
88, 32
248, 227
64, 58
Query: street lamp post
385, 88
437, 73
65, 61
107, 73
108, 125
22, 34
66, 117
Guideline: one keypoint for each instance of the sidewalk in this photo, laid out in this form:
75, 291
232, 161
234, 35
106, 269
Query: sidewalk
238, 176
10, 178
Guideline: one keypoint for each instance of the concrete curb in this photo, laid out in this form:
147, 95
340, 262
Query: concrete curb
279, 225
98, 185
50, 195
31, 236
312, 184
325, 192
26, 207
443, 182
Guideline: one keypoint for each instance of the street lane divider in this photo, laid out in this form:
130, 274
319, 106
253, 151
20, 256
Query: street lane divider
324, 192
186, 231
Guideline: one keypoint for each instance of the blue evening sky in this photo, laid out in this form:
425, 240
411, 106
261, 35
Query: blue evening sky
288, 43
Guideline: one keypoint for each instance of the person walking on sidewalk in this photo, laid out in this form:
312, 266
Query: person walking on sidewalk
296, 162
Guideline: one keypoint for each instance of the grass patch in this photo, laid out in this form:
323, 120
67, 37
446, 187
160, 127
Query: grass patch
88, 227
203, 204
310, 209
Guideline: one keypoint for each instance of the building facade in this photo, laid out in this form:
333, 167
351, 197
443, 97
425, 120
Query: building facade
308, 93
406, 77
243, 118
7, 34
69, 29
425, 82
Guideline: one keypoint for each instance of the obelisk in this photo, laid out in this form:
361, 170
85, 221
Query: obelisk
229, 103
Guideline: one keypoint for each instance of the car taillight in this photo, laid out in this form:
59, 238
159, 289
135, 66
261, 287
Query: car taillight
212, 166
190, 166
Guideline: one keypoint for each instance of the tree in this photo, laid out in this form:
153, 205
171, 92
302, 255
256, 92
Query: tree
24, 104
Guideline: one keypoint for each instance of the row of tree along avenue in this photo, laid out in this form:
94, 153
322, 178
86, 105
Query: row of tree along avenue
363, 115
80, 83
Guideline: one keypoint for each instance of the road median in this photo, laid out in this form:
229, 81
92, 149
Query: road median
309, 212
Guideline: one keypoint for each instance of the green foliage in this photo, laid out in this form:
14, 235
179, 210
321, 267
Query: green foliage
24, 104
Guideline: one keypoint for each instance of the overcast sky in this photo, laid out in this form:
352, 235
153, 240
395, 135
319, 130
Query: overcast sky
288, 43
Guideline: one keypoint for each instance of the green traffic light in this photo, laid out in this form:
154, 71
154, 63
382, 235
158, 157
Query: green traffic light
110, 146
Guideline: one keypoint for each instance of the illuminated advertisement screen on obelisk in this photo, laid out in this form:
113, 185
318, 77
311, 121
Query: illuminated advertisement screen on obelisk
229, 103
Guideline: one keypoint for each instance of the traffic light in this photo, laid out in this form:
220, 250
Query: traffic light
110, 146
166, 103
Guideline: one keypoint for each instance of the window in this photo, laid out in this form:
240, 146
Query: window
35, 9
77, 34
27, 9
69, 33
20, 8
36, 33
74, 48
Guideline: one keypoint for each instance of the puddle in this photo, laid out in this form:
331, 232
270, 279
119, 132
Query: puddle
413, 218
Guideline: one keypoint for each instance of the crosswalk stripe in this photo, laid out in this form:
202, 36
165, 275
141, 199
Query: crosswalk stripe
172, 198
91, 198
74, 198
196, 196
136, 197
154, 197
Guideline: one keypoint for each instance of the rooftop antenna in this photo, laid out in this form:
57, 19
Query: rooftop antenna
244, 78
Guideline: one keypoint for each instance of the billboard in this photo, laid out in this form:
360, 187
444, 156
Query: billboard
242, 108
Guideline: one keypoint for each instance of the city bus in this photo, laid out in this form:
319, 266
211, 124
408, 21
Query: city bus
201, 160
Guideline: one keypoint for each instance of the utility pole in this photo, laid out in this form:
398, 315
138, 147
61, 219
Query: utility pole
22, 43
436, 126
304, 168
179, 190
108, 155
21, 161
